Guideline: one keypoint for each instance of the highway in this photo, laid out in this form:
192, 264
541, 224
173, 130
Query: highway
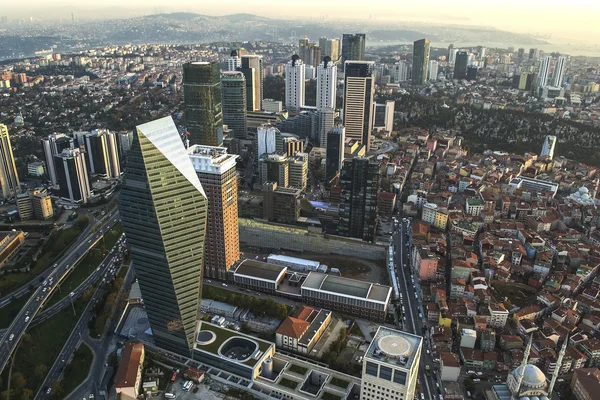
411, 304
108, 269
23, 320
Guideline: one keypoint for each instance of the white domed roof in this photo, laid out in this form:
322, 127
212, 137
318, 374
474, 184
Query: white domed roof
585, 196
535, 398
533, 376
583, 189
525, 398
577, 194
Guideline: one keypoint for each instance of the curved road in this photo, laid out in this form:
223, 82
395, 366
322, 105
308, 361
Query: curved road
23, 320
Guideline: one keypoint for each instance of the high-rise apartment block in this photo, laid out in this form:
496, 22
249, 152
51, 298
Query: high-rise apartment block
217, 174
72, 176
460, 66
544, 74
34, 204
326, 84
559, 71
103, 153
400, 72
163, 208
203, 102
53, 145
335, 153
234, 62
353, 47
252, 68
233, 89
358, 103
9, 179
391, 365
359, 181
420, 61
432, 70
294, 84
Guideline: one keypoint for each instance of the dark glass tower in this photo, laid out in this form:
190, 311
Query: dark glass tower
233, 87
460, 65
353, 47
163, 208
335, 153
359, 181
420, 62
202, 97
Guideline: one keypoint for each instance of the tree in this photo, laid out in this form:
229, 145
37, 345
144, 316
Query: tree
57, 389
87, 294
41, 371
27, 394
18, 381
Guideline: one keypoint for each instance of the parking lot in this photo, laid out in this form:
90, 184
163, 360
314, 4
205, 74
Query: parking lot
202, 393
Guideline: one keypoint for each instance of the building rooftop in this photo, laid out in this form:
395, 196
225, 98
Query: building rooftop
347, 287
394, 347
293, 260
259, 269
129, 365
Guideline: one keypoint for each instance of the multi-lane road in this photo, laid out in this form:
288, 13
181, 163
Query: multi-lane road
107, 269
413, 319
23, 320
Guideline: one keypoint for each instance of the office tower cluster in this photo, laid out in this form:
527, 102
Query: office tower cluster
310, 53
72, 176
103, 154
552, 71
330, 48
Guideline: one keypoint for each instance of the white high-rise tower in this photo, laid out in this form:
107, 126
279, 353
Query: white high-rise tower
326, 84
294, 84
544, 71
234, 62
432, 71
559, 71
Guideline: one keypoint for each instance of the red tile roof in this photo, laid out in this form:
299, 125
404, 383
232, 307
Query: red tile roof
292, 327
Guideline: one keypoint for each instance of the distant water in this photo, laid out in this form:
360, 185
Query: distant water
591, 50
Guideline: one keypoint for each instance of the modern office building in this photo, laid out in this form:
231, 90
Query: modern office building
359, 89
391, 365
218, 176
330, 47
294, 84
472, 72
548, 147
274, 167
347, 296
452, 55
353, 47
53, 145
9, 179
164, 210
233, 89
298, 171
124, 139
420, 61
400, 72
292, 145
252, 68
234, 62
432, 70
72, 176
203, 102
359, 180
34, 204
325, 120
267, 138
559, 71
335, 154
103, 153
383, 116
281, 204
544, 73
326, 84
460, 66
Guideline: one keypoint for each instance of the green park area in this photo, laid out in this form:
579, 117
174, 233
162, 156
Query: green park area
75, 373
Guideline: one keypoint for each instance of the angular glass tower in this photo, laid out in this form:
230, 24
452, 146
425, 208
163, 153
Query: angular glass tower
163, 209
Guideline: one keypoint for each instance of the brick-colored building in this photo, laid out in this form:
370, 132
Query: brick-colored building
129, 374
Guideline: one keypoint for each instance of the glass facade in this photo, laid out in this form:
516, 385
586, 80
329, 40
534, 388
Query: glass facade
163, 209
203, 103
233, 86
420, 61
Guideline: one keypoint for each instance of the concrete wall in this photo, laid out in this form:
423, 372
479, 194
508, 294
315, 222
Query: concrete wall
259, 234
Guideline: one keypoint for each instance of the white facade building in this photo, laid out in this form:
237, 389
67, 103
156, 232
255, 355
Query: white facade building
295, 75
267, 140
326, 84
559, 71
399, 72
544, 71
433, 70
429, 213
548, 147
391, 365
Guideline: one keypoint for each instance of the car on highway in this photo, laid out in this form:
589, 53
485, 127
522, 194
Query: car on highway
48, 391
27, 319
11, 337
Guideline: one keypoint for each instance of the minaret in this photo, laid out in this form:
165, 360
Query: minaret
515, 395
558, 365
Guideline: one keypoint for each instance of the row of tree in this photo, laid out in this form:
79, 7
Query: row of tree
257, 306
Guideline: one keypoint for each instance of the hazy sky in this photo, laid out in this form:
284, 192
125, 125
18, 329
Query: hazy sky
576, 19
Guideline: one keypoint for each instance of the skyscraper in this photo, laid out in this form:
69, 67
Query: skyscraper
359, 181
294, 84
303, 49
420, 61
452, 56
72, 176
544, 71
164, 209
267, 137
521, 55
548, 146
252, 68
399, 72
559, 71
432, 70
102, 153
216, 170
533, 54
9, 179
53, 145
353, 47
330, 47
358, 104
335, 153
326, 84
202, 97
460, 66
233, 89
234, 62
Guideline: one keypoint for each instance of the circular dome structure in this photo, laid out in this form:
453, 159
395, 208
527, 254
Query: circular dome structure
238, 348
533, 376
205, 337
395, 346
583, 189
